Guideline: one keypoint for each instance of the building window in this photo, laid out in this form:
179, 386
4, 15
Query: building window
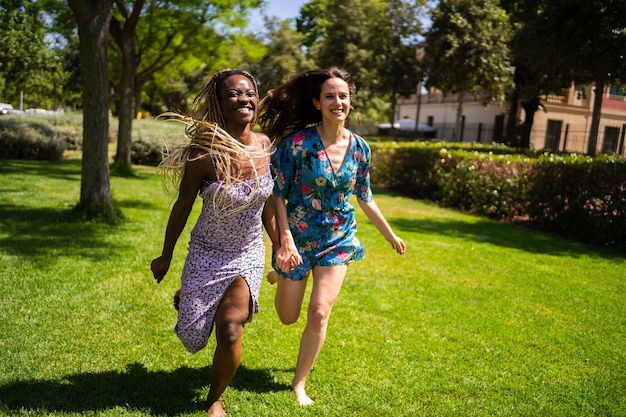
553, 134
616, 90
611, 134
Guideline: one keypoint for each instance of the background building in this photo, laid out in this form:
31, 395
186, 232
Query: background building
561, 124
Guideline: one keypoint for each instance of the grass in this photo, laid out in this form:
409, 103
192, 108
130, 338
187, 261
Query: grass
479, 318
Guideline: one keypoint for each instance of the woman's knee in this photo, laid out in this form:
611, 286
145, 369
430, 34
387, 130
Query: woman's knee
287, 316
229, 333
318, 317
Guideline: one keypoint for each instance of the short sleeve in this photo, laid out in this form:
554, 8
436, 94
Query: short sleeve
283, 167
362, 187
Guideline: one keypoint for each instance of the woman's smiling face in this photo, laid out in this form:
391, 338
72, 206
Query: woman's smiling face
238, 99
334, 100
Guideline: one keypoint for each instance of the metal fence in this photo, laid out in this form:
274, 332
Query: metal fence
556, 136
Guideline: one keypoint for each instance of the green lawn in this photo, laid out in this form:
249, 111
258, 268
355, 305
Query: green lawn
479, 318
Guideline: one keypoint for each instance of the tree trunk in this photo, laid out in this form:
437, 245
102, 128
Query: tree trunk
459, 116
530, 107
592, 144
125, 38
394, 100
512, 137
126, 109
137, 94
93, 18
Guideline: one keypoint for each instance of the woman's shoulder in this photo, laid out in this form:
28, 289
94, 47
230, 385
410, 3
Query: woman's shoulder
200, 165
299, 136
263, 139
359, 141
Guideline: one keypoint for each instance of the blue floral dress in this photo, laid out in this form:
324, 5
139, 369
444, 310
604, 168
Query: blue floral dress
319, 212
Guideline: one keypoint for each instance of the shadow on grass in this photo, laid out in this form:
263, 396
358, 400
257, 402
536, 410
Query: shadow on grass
158, 392
500, 234
64, 170
35, 234
504, 235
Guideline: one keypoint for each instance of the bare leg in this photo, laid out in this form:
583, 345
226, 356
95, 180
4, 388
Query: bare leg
288, 299
327, 281
229, 321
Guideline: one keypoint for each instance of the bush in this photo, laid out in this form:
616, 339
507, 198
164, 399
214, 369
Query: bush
575, 196
26, 138
580, 197
146, 153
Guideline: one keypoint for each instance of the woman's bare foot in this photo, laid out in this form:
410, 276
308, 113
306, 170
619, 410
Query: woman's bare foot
216, 409
272, 277
301, 396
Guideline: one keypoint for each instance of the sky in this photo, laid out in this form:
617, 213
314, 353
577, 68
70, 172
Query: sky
281, 8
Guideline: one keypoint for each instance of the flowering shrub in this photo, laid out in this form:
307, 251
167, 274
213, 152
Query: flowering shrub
573, 195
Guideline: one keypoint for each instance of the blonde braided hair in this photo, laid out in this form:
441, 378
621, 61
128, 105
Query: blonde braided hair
204, 129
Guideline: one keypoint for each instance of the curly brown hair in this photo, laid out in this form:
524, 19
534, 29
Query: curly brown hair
289, 108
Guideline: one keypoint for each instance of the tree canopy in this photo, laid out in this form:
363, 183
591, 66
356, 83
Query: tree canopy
283, 57
27, 64
374, 40
557, 42
467, 51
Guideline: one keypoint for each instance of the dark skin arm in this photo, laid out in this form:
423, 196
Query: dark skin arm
195, 172
269, 222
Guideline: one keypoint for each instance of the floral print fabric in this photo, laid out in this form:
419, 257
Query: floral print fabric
320, 215
221, 249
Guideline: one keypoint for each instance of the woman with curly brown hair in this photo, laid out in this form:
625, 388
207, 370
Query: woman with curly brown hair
318, 165
228, 166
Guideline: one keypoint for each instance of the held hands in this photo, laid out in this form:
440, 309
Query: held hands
287, 256
159, 267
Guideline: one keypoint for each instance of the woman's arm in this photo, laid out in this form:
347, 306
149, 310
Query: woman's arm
287, 255
195, 172
269, 222
374, 214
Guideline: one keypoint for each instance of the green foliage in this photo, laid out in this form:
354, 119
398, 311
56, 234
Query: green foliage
25, 138
478, 318
580, 197
467, 49
373, 40
154, 137
27, 63
284, 56
146, 153
575, 196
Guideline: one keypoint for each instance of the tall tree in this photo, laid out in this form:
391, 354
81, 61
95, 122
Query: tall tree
168, 29
592, 35
93, 18
558, 42
284, 55
123, 30
536, 60
374, 40
395, 50
467, 51
27, 63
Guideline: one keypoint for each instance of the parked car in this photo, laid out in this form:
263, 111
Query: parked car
5, 108
406, 127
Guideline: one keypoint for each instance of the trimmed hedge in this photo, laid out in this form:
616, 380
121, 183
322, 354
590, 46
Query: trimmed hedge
576, 196
25, 138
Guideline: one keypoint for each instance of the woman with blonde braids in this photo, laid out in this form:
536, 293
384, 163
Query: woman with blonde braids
227, 164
